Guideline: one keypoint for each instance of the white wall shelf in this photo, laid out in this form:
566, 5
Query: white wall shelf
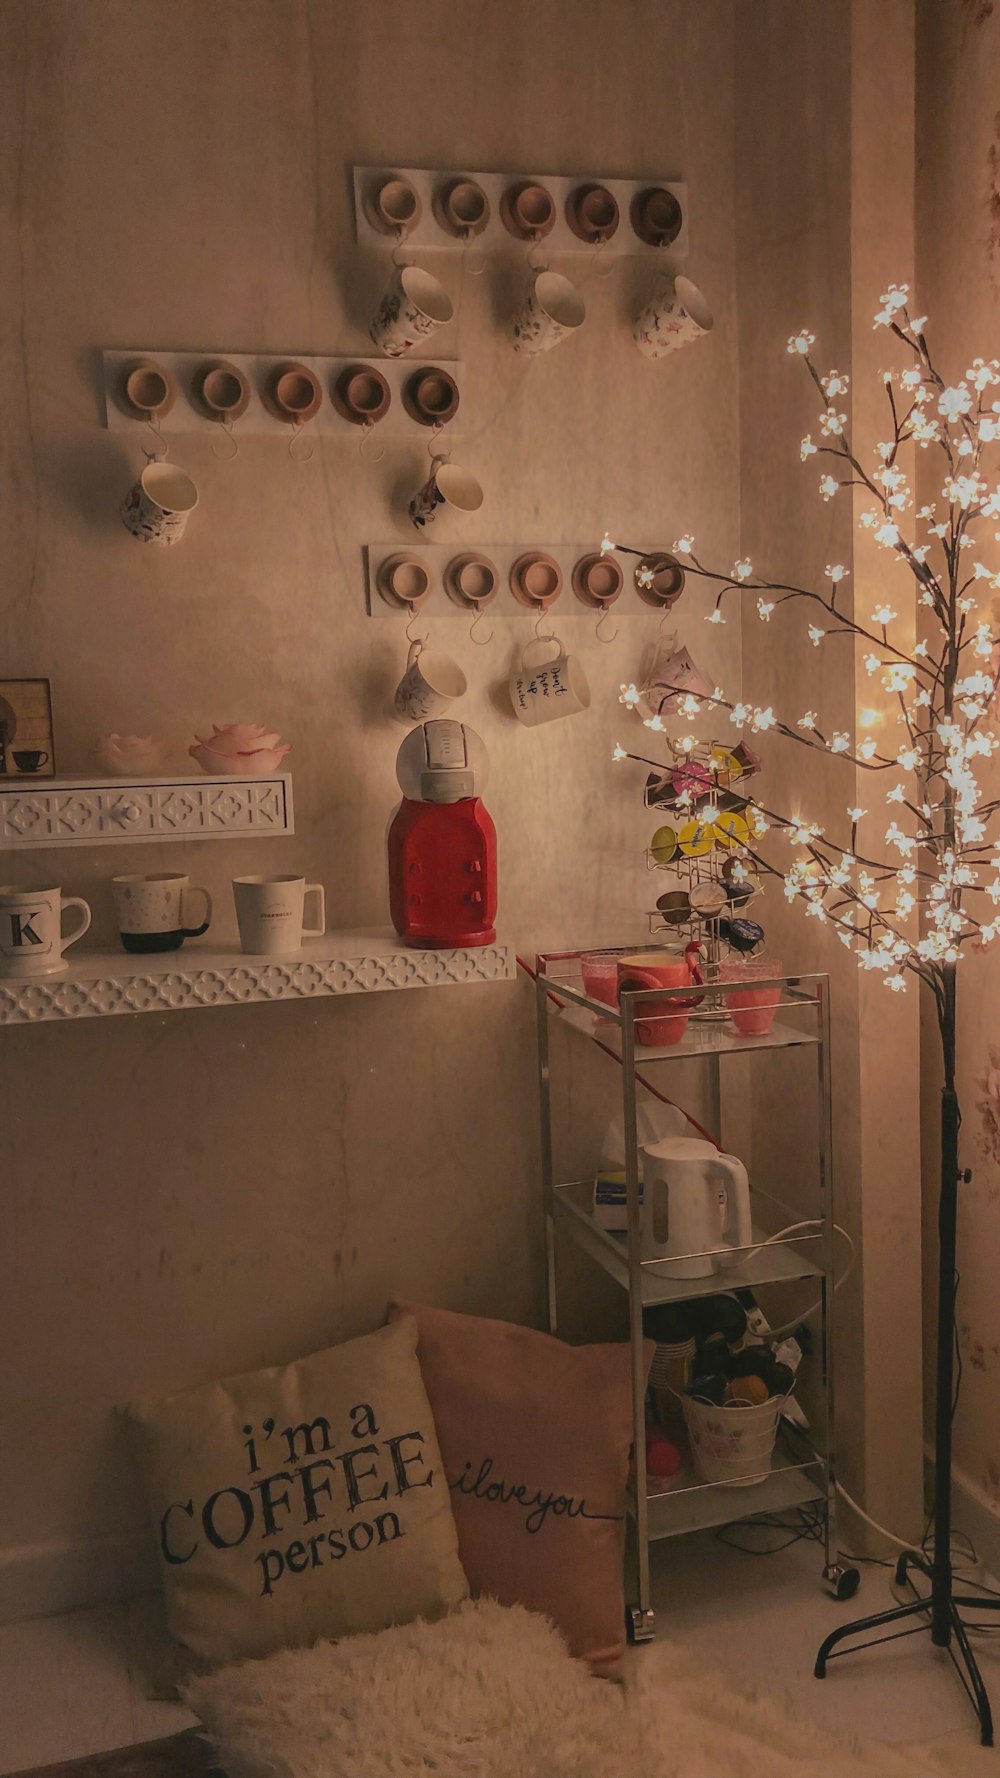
101, 984
83, 811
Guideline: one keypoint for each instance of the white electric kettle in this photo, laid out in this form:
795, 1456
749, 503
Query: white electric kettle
694, 1200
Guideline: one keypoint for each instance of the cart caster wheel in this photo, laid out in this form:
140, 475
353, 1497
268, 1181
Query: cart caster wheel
843, 1583
641, 1626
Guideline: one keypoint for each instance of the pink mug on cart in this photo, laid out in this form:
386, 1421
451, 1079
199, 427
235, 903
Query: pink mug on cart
660, 1022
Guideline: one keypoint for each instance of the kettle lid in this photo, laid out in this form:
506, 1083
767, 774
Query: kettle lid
680, 1148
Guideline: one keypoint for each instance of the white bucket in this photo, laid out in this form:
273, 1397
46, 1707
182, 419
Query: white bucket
732, 1444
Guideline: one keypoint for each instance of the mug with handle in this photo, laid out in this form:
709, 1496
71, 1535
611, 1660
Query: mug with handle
661, 1022
545, 685
154, 912
31, 936
429, 686
270, 912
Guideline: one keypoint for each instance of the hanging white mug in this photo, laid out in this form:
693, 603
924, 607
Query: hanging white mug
552, 308
157, 506
448, 486
414, 306
31, 936
542, 689
673, 319
270, 912
430, 684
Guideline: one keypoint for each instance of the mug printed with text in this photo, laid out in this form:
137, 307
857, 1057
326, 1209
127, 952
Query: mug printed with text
542, 689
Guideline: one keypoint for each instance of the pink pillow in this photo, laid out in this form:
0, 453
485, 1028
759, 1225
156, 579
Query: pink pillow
535, 1439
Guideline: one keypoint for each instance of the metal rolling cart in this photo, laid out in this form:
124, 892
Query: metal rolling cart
803, 1468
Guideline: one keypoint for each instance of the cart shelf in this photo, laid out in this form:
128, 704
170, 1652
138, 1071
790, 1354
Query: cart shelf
778, 1263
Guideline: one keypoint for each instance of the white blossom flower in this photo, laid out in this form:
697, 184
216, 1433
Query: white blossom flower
872, 663
892, 300
816, 635
807, 448
982, 374
606, 544
828, 486
832, 424
715, 616
883, 614
834, 384
836, 571
808, 721
801, 342
763, 719
764, 609
841, 741
868, 747
683, 545
619, 752
630, 695
955, 401
989, 429
911, 378
887, 535
896, 795
742, 570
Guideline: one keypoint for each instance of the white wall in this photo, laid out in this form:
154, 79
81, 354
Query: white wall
187, 1195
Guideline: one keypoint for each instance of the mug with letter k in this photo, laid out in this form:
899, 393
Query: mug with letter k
31, 937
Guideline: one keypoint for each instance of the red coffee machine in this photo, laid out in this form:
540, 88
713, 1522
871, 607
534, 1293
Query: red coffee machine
442, 842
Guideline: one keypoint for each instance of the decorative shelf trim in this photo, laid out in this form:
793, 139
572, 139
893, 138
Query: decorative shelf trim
82, 811
104, 984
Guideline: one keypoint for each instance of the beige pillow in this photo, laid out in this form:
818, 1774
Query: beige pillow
303, 1501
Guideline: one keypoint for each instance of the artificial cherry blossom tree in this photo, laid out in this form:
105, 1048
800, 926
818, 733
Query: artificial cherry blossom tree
928, 896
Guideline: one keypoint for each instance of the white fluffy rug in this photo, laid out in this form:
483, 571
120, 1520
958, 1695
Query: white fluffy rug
490, 1692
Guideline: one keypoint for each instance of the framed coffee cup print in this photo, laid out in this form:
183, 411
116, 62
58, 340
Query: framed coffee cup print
26, 746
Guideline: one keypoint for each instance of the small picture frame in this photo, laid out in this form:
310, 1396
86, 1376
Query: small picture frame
27, 749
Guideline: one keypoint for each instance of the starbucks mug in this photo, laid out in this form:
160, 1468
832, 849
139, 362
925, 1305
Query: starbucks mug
31, 936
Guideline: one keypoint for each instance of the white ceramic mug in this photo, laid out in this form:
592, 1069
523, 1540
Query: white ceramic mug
541, 690
552, 308
154, 912
271, 914
673, 319
31, 937
448, 486
429, 686
414, 306
157, 506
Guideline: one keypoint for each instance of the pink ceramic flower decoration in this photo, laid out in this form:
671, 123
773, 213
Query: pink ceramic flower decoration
239, 750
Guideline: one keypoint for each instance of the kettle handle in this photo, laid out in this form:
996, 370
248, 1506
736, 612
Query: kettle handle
739, 1229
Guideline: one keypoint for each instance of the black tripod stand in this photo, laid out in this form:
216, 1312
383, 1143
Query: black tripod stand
939, 1612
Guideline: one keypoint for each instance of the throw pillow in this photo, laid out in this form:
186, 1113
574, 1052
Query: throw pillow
301, 1501
535, 1437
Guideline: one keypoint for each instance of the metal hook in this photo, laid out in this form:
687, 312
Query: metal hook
411, 620
154, 428
366, 455
537, 265
299, 456
542, 611
229, 456
661, 626
605, 614
397, 250
473, 265
436, 456
480, 641
596, 262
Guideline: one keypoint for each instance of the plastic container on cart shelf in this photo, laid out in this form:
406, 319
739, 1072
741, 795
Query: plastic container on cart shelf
733, 1445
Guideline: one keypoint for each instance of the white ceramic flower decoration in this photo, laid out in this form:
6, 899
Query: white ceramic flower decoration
239, 750
128, 756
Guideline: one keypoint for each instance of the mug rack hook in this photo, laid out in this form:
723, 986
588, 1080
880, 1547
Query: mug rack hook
434, 451
228, 456
539, 264
366, 455
304, 456
161, 455
474, 264
397, 250
480, 641
542, 610
411, 620
600, 623
604, 266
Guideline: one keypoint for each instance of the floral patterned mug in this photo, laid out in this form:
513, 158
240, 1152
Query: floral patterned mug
552, 308
673, 319
414, 306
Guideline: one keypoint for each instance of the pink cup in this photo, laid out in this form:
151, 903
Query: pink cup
656, 1023
750, 1007
599, 970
